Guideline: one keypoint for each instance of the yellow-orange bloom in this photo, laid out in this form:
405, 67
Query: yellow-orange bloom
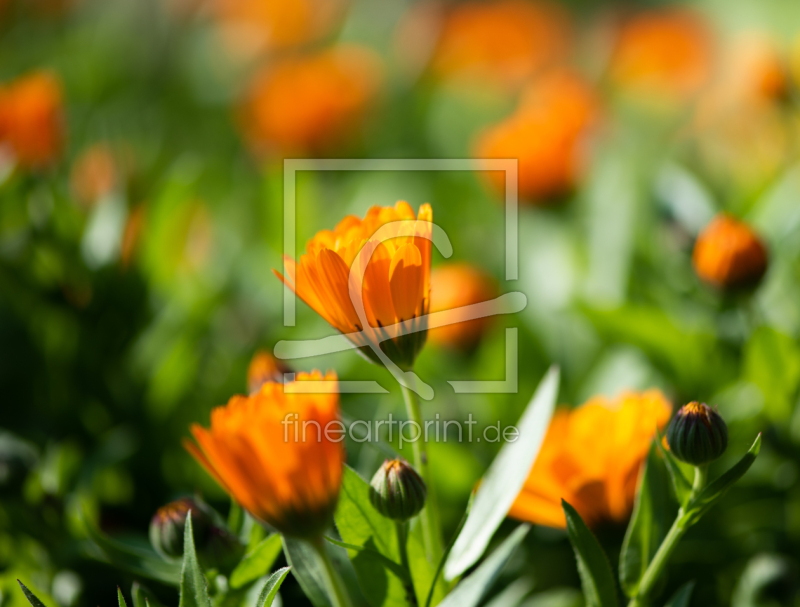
31, 120
263, 368
591, 458
270, 451
310, 103
663, 54
395, 292
545, 134
503, 42
729, 254
453, 286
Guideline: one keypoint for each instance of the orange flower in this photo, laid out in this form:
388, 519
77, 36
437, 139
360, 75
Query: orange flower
545, 135
308, 104
591, 458
31, 121
664, 53
729, 254
453, 286
395, 293
503, 42
270, 451
263, 368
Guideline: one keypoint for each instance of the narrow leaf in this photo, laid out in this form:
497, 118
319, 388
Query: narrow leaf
306, 570
120, 598
682, 596
597, 579
194, 592
504, 479
370, 552
474, 587
681, 485
257, 562
30, 596
648, 525
142, 597
271, 588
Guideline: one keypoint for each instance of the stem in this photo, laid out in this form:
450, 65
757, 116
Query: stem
674, 535
429, 519
335, 586
402, 541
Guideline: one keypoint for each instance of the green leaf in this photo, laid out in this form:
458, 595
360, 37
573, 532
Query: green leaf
649, 523
772, 362
709, 496
120, 598
271, 588
680, 483
194, 591
504, 479
362, 526
389, 564
306, 570
473, 588
257, 562
426, 578
142, 597
30, 596
682, 596
597, 579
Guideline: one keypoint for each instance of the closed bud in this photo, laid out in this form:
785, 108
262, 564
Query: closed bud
729, 255
397, 491
697, 434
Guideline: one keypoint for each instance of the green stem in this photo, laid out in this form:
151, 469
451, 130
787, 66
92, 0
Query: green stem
429, 519
665, 550
402, 542
335, 586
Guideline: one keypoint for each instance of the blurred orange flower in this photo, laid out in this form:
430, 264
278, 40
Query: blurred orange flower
263, 368
591, 458
453, 286
395, 291
729, 254
663, 54
545, 134
270, 451
308, 104
31, 119
504, 42
94, 175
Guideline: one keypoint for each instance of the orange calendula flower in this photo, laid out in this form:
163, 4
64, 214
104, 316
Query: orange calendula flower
729, 254
591, 458
308, 104
545, 134
503, 42
457, 285
270, 451
264, 367
664, 53
391, 249
31, 120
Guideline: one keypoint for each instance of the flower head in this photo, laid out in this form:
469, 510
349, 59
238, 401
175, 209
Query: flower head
728, 254
31, 120
391, 249
545, 134
397, 491
591, 458
697, 434
264, 367
271, 453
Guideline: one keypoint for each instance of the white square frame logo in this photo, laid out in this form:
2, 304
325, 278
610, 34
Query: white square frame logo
508, 166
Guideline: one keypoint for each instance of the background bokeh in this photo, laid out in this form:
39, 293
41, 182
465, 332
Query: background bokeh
141, 209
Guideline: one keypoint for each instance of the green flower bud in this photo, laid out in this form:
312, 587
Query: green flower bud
397, 491
697, 434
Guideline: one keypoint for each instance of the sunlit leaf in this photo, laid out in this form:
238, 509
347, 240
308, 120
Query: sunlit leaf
120, 598
194, 590
305, 566
257, 562
270, 590
30, 596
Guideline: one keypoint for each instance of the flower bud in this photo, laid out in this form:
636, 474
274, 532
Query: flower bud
697, 434
265, 367
397, 491
729, 255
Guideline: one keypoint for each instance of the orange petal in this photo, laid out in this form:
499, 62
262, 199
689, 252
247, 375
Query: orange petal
406, 281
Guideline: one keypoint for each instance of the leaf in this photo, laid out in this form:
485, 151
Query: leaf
504, 479
389, 564
362, 526
680, 483
306, 570
597, 579
272, 586
426, 578
682, 596
648, 526
709, 496
142, 597
120, 598
30, 596
473, 588
257, 562
194, 592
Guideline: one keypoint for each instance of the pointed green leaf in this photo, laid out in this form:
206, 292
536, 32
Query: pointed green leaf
649, 523
30, 596
257, 562
681, 485
473, 588
597, 579
120, 598
682, 596
270, 590
194, 591
306, 570
504, 480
